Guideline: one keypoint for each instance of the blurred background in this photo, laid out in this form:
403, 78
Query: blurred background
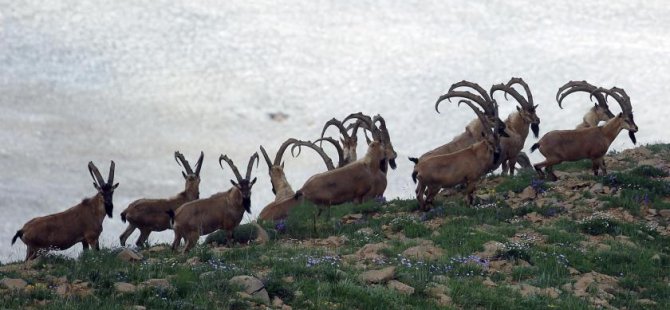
133, 81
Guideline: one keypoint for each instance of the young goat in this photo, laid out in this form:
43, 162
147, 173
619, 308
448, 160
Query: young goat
464, 166
517, 125
151, 214
592, 143
220, 211
81, 223
599, 112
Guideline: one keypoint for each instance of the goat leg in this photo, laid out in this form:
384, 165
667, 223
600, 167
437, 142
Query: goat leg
124, 236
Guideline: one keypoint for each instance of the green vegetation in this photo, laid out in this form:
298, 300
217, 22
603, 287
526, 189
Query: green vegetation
501, 253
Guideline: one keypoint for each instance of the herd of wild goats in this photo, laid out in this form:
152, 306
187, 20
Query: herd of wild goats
487, 143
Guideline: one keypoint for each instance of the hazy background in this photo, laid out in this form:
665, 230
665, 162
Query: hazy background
133, 81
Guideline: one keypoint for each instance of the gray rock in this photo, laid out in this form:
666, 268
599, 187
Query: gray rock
13, 284
252, 286
129, 255
377, 276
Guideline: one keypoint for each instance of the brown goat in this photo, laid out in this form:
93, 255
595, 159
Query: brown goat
279, 208
81, 223
349, 142
151, 214
592, 143
517, 125
463, 166
220, 211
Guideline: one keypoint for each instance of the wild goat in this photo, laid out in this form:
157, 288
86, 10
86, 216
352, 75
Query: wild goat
473, 131
222, 210
593, 142
517, 125
81, 223
275, 210
599, 112
151, 214
353, 182
463, 166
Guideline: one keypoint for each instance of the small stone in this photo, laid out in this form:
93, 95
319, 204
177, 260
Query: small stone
488, 282
13, 284
441, 279
423, 252
286, 307
124, 288
288, 279
646, 302
207, 275
157, 283
597, 188
138, 307
656, 257
262, 235
367, 231
252, 286
193, 261
377, 276
528, 193
63, 289
573, 271
652, 212
402, 288
665, 213
492, 248
157, 249
128, 255
277, 302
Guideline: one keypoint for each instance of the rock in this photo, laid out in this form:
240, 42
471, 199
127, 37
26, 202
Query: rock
652, 212
263, 236
193, 261
488, 282
367, 231
625, 240
13, 284
665, 213
156, 283
492, 248
597, 188
63, 289
551, 292
533, 217
370, 251
377, 276
441, 279
402, 288
128, 255
527, 290
124, 288
277, 302
157, 249
528, 193
573, 271
656, 258
288, 279
351, 218
604, 285
286, 307
332, 241
646, 302
252, 286
423, 252
138, 307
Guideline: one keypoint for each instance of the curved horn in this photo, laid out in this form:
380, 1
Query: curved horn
179, 158
480, 115
335, 122
517, 96
482, 92
110, 177
267, 158
340, 151
95, 174
520, 81
575, 86
382, 127
487, 106
232, 166
620, 96
282, 149
324, 156
198, 164
366, 123
251, 165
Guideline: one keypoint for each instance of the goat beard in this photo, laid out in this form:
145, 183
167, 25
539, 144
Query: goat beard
632, 137
246, 203
108, 209
392, 163
536, 129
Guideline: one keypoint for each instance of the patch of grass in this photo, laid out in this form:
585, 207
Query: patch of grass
460, 237
598, 226
572, 166
517, 183
649, 172
658, 148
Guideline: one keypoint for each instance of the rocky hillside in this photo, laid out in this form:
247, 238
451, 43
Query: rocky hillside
580, 242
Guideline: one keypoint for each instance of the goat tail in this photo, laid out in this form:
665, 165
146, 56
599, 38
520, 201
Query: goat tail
123, 216
414, 160
297, 195
534, 147
414, 174
18, 235
170, 213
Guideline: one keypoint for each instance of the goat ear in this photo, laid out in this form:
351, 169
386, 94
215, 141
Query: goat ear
234, 184
115, 186
518, 109
253, 181
483, 134
282, 165
183, 174
620, 114
96, 186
